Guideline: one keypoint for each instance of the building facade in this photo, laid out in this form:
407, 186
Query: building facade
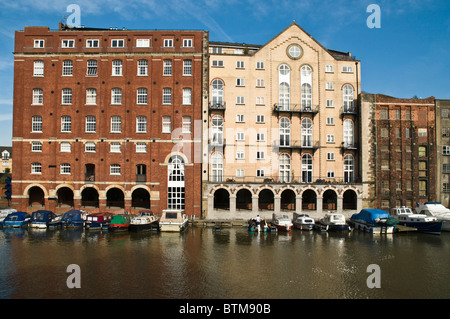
283, 127
6, 152
399, 147
443, 151
107, 119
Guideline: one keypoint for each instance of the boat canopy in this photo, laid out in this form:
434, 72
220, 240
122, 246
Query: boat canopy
73, 214
17, 216
371, 215
42, 215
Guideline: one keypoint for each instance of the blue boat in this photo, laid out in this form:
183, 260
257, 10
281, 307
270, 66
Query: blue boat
16, 220
420, 222
42, 218
73, 219
375, 221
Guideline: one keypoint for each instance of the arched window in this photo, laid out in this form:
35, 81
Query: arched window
348, 133
285, 132
349, 166
284, 84
217, 130
306, 131
307, 168
285, 168
347, 96
216, 167
175, 189
217, 93
306, 87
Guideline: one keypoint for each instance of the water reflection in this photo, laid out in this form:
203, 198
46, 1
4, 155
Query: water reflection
230, 263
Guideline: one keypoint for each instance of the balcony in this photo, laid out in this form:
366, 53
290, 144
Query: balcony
217, 106
297, 144
141, 178
349, 110
295, 109
283, 180
349, 146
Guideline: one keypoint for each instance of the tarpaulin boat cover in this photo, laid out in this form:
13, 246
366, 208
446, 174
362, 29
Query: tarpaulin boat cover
370, 215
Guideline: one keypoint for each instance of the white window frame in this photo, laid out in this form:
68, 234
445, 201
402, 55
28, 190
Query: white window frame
67, 68
38, 96
187, 96
240, 118
117, 43
330, 156
67, 43
142, 96
114, 169
66, 96
168, 43
186, 127
142, 67
240, 100
141, 147
36, 124
38, 68
89, 147
167, 96
260, 119
39, 43
116, 124
91, 96
90, 124
188, 43
65, 147
92, 68
117, 67
116, 96
166, 124
187, 67
167, 67
36, 168
259, 65
141, 124
92, 43
217, 64
66, 124
142, 43
36, 146
115, 147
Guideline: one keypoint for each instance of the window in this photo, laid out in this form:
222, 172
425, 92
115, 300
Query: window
384, 114
348, 133
408, 114
168, 43
167, 96
66, 124
328, 68
187, 96
166, 124
117, 67
260, 65
444, 113
89, 147
186, 128
284, 87
446, 187
142, 67
407, 133
216, 167
142, 43
384, 132
240, 173
240, 65
307, 168
285, 131
240, 100
36, 146
114, 169
36, 168
445, 150
217, 92
175, 189
239, 118
260, 100
240, 82
422, 188
67, 68
39, 43
116, 96
398, 114
330, 174
68, 43
446, 168
66, 96
330, 103
217, 63
115, 147
187, 43
38, 96
117, 43
330, 156
141, 147
91, 67
347, 69
90, 124
216, 50
259, 173
65, 147
167, 67
260, 118
349, 165
422, 151
38, 69
260, 137
92, 43
65, 169
240, 155
187, 67
141, 124
217, 130
306, 87
240, 136
260, 155
329, 86
347, 96
116, 124
330, 138
259, 83
330, 120
142, 96
385, 165
422, 132
306, 132
284, 168
36, 124
91, 96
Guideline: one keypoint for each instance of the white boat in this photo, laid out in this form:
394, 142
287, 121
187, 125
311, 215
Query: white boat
334, 222
421, 222
282, 221
436, 209
303, 222
173, 221
143, 221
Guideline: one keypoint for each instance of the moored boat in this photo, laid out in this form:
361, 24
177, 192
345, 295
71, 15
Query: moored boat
73, 218
437, 210
303, 222
42, 218
173, 221
333, 222
119, 223
17, 220
4, 213
375, 221
98, 220
421, 222
282, 221
258, 225
144, 221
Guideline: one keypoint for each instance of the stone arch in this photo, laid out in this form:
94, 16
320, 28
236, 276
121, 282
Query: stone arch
244, 197
288, 199
222, 198
266, 199
329, 199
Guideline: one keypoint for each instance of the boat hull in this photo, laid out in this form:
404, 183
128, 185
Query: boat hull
40, 225
97, 225
334, 227
173, 227
283, 227
302, 226
15, 224
424, 227
373, 229
118, 227
140, 227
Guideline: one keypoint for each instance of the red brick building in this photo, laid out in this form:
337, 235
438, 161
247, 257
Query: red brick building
107, 119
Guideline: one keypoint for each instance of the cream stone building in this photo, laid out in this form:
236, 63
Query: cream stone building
283, 129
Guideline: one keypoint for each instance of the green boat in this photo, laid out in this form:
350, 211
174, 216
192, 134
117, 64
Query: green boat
120, 223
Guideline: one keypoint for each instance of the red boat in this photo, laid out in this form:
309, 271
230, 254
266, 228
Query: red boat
98, 220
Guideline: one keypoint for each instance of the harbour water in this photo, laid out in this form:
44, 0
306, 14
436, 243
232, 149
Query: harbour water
203, 263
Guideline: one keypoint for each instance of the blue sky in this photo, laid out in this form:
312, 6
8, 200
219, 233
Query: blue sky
409, 55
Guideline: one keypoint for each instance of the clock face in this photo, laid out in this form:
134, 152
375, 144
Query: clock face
294, 51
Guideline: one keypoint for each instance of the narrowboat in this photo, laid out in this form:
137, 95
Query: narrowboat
98, 220
375, 221
282, 221
16, 220
119, 223
333, 222
73, 219
173, 221
42, 218
144, 221
303, 222
436, 209
421, 222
